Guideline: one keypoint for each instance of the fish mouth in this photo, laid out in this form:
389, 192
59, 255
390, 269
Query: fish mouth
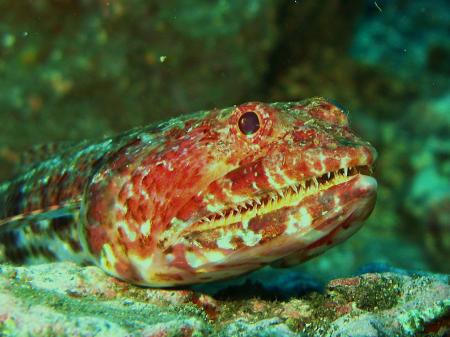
270, 201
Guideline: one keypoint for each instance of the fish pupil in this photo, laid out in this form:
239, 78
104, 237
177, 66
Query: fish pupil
249, 123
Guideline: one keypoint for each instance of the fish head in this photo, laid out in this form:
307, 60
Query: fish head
224, 192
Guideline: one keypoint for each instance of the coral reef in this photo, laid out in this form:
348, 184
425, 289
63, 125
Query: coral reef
63, 299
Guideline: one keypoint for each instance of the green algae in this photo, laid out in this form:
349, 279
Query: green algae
131, 316
7, 327
377, 296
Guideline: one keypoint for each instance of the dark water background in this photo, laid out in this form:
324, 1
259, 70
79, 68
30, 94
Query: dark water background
71, 70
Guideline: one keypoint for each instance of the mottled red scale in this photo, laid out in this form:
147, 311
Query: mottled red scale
242, 178
301, 107
190, 208
303, 136
98, 205
326, 240
122, 244
218, 190
318, 165
148, 182
313, 207
301, 168
237, 242
121, 157
136, 180
145, 241
133, 209
270, 225
97, 238
327, 200
120, 215
327, 224
128, 271
73, 187
61, 185
206, 240
332, 164
329, 113
169, 278
145, 208
58, 186
124, 192
179, 260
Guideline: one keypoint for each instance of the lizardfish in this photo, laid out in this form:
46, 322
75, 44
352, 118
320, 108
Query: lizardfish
202, 197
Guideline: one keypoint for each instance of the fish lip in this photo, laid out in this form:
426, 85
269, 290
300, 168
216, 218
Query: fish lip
362, 201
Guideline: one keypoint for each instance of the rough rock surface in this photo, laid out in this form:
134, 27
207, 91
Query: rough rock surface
63, 299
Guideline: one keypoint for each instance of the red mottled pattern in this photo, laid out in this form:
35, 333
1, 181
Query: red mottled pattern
197, 198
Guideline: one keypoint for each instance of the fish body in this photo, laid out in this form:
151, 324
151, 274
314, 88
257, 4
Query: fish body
198, 198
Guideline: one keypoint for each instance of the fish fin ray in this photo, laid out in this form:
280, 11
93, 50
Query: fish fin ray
49, 212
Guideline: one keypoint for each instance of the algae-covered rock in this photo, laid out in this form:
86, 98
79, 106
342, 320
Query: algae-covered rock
63, 299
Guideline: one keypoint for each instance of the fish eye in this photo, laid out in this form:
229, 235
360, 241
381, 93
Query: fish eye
249, 123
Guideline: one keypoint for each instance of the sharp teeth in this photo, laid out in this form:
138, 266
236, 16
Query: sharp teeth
303, 188
316, 183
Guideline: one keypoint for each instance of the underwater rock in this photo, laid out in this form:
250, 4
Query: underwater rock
63, 299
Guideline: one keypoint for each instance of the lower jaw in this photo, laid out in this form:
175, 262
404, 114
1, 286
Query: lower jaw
324, 232
335, 214
330, 224
328, 231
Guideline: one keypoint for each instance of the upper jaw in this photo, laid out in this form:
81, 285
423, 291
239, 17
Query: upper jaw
297, 181
269, 201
